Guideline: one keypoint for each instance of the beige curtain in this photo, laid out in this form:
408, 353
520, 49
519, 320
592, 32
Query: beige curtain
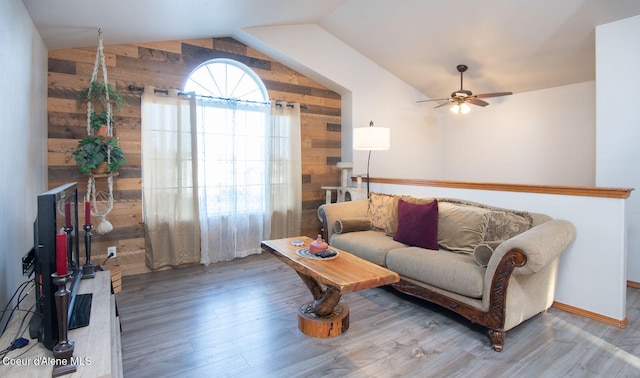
285, 170
169, 185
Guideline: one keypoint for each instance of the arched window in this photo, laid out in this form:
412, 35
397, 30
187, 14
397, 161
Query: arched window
226, 79
232, 143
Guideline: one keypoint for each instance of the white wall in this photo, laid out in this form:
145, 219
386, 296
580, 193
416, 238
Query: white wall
542, 137
618, 121
23, 121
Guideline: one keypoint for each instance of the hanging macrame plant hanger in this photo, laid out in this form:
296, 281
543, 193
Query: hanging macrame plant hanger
93, 196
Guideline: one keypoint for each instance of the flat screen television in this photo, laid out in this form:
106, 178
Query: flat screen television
57, 213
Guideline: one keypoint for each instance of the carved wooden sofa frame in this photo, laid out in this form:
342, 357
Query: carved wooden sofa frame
493, 319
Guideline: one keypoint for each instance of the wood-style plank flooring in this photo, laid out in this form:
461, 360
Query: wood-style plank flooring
239, 319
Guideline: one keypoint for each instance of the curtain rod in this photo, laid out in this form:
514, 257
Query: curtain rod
166, 91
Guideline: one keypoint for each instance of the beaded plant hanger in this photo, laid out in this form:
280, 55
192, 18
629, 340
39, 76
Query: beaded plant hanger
92, 195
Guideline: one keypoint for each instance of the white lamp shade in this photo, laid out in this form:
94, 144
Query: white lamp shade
371, 138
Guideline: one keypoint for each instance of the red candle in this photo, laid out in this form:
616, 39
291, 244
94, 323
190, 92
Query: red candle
87, 212
61, 253
67, 214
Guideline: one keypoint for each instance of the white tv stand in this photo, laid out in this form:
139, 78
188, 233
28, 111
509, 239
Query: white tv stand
96, 346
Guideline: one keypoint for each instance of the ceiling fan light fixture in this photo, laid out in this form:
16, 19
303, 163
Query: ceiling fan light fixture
461, 108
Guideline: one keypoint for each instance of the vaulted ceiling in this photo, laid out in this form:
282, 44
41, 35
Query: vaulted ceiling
509, 45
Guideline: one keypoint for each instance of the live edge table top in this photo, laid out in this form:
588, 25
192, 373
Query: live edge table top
346, 273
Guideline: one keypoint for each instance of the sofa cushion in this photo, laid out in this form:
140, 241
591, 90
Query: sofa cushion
381, 207
503, 225
482, 253
461, 227
455, 272
344, 225
369, 245
418, 224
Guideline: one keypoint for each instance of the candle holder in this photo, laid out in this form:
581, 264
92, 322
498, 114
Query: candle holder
63, 350
68, 229
88, 269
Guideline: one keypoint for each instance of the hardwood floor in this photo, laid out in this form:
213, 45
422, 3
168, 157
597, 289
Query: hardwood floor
239, 319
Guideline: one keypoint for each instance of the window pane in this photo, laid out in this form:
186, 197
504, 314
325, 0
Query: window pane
231, 137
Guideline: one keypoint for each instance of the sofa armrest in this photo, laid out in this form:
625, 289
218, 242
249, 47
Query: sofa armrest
331, 212
541, 244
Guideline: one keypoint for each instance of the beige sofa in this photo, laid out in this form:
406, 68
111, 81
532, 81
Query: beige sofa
496, 267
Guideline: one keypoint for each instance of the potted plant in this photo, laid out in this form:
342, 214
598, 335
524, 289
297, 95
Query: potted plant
99, 122
92, 153
96, 92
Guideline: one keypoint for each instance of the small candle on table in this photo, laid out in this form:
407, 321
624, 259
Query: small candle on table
67, 214
61, 254
87, 212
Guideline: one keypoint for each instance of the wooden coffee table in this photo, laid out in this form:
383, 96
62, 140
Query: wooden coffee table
328, 280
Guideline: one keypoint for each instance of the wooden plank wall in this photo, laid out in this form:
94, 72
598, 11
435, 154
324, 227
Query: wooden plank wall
166, 65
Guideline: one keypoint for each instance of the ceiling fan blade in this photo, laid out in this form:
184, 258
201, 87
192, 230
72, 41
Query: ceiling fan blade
445, 104
437, 99
475, 101
497, 94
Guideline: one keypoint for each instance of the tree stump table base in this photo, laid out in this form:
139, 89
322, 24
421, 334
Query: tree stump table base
328, 281
334, 324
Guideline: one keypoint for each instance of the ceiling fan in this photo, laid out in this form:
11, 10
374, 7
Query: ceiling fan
461, 97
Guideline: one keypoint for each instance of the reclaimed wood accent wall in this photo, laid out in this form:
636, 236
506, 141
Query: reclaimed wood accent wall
166, 65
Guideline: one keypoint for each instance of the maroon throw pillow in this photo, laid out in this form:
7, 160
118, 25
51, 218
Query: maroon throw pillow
418, 224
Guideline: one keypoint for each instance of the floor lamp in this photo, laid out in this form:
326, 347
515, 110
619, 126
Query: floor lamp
372, 139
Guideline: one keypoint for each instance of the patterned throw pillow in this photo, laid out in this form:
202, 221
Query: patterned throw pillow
503, 225
381, 208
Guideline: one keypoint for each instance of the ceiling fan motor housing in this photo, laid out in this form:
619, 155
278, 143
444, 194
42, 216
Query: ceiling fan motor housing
461, 93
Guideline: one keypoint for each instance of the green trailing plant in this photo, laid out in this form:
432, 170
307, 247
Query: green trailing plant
99, 119
96, 92
92, 151
117, 155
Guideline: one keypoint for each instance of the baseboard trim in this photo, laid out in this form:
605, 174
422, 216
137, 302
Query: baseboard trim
633, 284
591, 315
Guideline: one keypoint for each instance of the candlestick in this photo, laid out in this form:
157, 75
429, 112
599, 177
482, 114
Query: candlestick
88, 269
61, 253
70, 260
67, 214
63, 350
87, 212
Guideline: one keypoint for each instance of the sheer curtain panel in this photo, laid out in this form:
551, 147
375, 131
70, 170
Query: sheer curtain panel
169, 185
249, 176
232, 176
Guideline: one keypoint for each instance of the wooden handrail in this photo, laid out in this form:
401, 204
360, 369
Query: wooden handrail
586, 191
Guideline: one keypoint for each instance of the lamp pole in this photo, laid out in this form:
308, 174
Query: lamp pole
368, 161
